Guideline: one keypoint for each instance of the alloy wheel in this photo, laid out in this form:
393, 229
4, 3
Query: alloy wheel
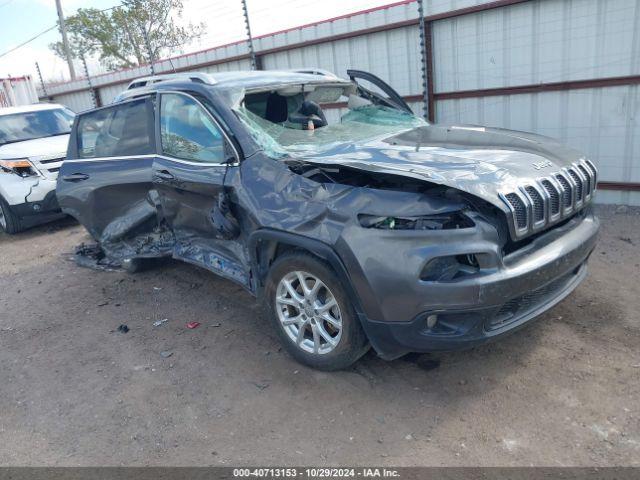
308, 312
3, 218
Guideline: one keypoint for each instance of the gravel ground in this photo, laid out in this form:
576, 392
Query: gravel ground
75, 391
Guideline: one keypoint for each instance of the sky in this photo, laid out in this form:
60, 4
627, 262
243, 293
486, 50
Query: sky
22, 19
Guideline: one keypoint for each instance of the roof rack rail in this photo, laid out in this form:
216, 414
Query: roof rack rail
314, 71
197, 77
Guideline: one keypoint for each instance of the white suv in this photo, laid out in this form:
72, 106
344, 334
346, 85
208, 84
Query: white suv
33, 144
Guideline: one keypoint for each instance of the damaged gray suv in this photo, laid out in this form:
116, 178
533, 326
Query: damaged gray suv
355, 221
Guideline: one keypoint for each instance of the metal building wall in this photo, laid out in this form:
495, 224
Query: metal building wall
108, 93
541, 42
76, 101
518, 47
392, 55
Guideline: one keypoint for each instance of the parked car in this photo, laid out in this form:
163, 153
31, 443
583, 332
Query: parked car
33, 143
376, 229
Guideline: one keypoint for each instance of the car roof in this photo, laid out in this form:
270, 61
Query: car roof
258, 78
245, 79
36, 107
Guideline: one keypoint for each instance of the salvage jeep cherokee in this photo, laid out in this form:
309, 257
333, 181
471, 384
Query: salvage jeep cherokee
375, 228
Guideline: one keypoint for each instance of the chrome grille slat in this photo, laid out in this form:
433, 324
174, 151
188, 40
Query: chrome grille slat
519, 209
578, 184
594, 172
567, 196
537, 204
554, 197
587, 180
548, 200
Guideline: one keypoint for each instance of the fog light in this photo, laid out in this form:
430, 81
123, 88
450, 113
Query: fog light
36, 207
432, 320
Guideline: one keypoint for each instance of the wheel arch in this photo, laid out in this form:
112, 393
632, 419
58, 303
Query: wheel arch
266, 245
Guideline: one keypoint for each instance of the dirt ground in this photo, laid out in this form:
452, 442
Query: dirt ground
75, 391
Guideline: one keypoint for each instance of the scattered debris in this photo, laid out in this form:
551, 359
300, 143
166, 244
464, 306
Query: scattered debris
92, 256
622, 209
215, 325
157, 323
123, 328
409, 437
627, 240
261, 386
193, 325
166, 354
103, 303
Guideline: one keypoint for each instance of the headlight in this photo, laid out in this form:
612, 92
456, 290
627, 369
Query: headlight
19, 166
446, 221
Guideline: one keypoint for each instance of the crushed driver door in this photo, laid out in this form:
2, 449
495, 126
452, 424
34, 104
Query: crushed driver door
189, 174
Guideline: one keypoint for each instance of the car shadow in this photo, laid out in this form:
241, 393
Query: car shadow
44, 229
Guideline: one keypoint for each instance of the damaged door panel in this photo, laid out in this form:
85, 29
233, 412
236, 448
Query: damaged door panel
189, 176
380, 230
107, 183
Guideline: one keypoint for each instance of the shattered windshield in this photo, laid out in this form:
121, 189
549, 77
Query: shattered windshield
362, 123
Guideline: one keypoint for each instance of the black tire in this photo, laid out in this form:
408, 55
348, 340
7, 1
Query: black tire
137, 265
352, 343
9, 222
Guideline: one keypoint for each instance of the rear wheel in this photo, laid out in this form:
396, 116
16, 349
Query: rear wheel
9, 222
312, 314
136, 265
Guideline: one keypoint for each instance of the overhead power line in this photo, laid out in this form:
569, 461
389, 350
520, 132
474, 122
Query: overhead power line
27, 41
43, 32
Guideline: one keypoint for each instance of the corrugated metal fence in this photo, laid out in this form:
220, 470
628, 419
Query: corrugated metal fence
568, 69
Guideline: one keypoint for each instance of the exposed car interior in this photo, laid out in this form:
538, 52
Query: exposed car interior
294, 107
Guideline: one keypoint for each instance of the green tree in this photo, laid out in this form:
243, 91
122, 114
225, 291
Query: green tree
117, 35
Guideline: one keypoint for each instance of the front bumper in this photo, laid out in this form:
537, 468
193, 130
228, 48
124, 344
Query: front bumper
45, 206
32, 199
482, 307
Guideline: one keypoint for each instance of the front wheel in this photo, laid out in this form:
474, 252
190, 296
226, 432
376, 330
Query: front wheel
312, 314
9, 222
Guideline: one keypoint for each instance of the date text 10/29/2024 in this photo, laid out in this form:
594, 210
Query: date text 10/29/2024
304, 473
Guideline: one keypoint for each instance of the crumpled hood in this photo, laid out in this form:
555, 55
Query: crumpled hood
478, 160
47, 147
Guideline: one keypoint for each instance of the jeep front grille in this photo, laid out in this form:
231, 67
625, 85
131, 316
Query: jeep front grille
548, 200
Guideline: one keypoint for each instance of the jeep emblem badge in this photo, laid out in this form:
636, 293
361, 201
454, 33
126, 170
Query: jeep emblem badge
541, 165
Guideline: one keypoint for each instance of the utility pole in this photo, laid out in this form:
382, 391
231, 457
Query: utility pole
252, 52
65, 40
